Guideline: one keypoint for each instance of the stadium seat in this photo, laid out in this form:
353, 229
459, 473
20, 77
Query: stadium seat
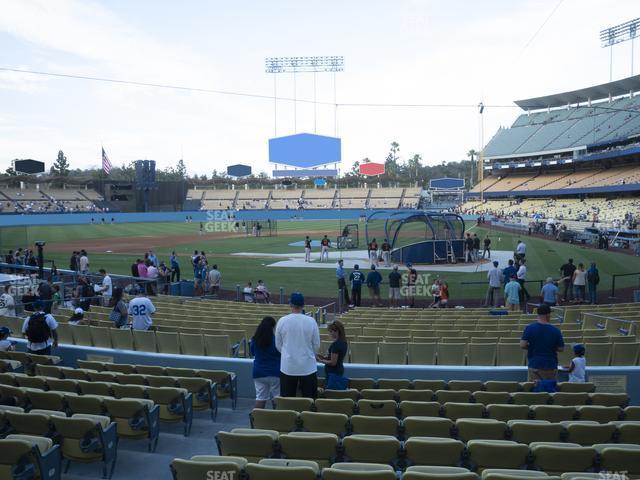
530, 398
393, 353
362, 383
433, 385
410, 408
377, 408
599, 353
168, 342
456, 410
488, 398
485, 454
345, 406
46, 400
161, 380
283, 469
95, 388
203, 393
253, 445
217, 345
599, 413
557, 458
460, 396
149, 369
434, 451
421, 354
38, 424
406, 394
529, 431
364, 352
25, 456
451, 353
428, 427
625, 354
570, 399
369, 425
510, 474
501, 386
632, 413
371, 448
481, 354
318, 447
88, 439
62, 385
145, 341
336, 423
571, 387
192, 344
609, 399
510, 354
89, 404
121, 338
282, 421
378, 394
620, 457
553, 413
394, 383
481, 429
199, 466
421, 472
297, 404
586, 434
470, 385
359, 471
136, 419
100, 336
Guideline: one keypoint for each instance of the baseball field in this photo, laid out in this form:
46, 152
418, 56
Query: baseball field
243, 258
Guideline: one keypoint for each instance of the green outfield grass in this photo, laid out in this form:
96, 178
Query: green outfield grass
544, 257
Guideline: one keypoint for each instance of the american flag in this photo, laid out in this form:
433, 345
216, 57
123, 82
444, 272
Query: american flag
106, 164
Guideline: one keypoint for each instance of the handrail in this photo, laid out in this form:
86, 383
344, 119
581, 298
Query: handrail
613, 281
321, 312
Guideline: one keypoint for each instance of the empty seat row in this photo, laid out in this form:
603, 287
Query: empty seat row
226, 382
28, 360
84, 438
483, 397
113, 384
472, 385
477, 455
584, 432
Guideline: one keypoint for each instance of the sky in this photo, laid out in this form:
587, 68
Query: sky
400, 52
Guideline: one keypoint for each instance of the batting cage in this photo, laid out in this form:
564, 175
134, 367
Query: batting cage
259, 228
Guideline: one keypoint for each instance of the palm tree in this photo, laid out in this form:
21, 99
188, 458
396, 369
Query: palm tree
472, 154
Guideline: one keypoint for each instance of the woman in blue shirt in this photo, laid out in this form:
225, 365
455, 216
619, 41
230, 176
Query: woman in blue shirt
334, 361
266, 362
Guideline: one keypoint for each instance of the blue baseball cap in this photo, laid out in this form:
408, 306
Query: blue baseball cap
579, 349
38, 304
5, 331
297, 299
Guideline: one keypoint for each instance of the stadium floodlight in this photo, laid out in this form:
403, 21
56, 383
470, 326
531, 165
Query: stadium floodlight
304, 64
620, 33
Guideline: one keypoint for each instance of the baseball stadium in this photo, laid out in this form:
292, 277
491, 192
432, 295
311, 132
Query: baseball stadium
478, 327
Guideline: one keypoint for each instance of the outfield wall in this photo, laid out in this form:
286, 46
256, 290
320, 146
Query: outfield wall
242, 367
197, 216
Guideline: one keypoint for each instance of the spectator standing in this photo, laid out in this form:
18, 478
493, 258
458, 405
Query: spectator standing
521, 250
476, 247
262, 292
487, 247
593, 279
7, 303
84, 262
142, 269
334, 360
247, 293
45, 293
153, 259
73, 262
579, 283
542, 341
120, 313
40, 330
494, 275
549, 293
373, 252
140, 309
164, 278
374, 279
357, 279
134, 268
214, 280
175, 267
266, 362
152, 275
512, 294
522, 279
106, 288
567, 280
386, 253
444, 294
508, 272
395, 280
435, 293
342, 283
412, 278
298, 340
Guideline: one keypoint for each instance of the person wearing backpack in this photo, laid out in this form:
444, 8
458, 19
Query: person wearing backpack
593, 279
40, 330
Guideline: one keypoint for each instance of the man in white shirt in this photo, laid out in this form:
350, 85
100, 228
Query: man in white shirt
522, 278
107, 287
7, 303
140, 311
521, 250
214, 280
40, 330
496, 279
84, 262
298, 340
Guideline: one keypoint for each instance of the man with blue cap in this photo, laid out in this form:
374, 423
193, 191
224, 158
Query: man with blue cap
40, 330
298, 340
6, 345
